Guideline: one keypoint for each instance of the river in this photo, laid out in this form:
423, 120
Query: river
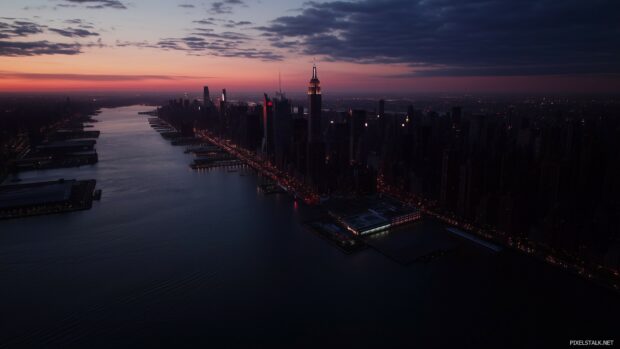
172, 257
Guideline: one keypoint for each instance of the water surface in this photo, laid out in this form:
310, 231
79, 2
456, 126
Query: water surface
172, 257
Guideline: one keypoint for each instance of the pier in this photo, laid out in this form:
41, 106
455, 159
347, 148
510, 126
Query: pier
40, 198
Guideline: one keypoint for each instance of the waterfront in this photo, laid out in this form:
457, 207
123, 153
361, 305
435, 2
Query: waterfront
173, 256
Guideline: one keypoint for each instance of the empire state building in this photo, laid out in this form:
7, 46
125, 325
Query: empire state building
314, 112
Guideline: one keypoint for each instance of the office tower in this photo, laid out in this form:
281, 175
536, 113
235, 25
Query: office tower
315, 158
449, 179
356, 120
267, 144
300, 111
223, 113
314, 108
205, 96
282, 128
381, 112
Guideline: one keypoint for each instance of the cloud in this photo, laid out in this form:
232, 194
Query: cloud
202, 41
233, 24
219, 8
209, 21
36, 48
225, 44
28, 8
139, 44
90, 77
186, 5
229, 36
17, 28
459, 38
74, 32
98, 4
80, 23
225, 6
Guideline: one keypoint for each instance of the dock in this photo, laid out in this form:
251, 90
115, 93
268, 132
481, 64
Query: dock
40, 198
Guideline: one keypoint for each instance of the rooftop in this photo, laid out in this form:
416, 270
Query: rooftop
20, 195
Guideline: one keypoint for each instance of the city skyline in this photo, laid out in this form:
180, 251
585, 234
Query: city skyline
105, 45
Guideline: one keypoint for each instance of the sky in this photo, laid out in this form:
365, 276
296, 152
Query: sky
363, 46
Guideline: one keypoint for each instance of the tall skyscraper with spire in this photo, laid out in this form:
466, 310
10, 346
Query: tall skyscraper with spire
314, 108
315, 157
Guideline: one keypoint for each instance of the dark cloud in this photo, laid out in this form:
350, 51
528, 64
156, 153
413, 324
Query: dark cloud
139, 44
219, 8
202, 41
285, 44
98, 4
80, 23
225, 44
99, 44
234, 24
186, 5
36, 48
89, 77
21, 28
229, 36
16, 28
253, 53
225, 6
460, 38
74, 32
205, 21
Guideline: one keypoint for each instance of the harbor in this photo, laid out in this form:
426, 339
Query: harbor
70, 145
206, 154
380, 222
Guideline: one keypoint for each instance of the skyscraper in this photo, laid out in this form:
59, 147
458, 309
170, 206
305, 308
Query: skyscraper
206, 99
356, 120
223, 113
267, 144
282, 129
314, 108
315, 158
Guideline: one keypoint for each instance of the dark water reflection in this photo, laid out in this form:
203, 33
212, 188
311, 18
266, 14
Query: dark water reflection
171, 257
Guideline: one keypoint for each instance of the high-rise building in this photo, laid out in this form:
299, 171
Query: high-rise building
282, 129
314, 108
267, 144
205, 96
223, 113
356, 120
300, 111
315, 159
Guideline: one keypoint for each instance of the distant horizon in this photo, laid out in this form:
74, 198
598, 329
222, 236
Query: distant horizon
232, 93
